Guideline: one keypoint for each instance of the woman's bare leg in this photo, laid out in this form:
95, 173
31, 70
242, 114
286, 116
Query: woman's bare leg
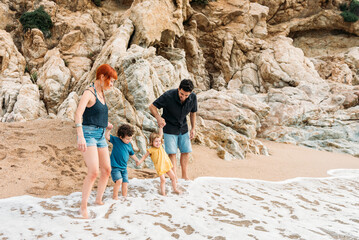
92, 163
105, 171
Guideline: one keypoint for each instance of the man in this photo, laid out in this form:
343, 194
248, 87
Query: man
176, 104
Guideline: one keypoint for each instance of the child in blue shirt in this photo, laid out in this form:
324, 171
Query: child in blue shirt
121, 151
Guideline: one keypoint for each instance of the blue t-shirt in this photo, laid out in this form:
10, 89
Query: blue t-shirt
120, 152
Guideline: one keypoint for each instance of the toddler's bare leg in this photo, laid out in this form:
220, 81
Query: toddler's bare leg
174, 182
116, 188
124, 189
163, 184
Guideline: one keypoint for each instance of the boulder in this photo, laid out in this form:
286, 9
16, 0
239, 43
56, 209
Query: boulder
54, 80
28, 105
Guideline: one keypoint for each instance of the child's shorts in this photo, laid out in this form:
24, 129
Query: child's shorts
118, 173
94, 136
172, 142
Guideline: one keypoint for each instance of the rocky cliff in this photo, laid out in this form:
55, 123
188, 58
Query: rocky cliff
282, 70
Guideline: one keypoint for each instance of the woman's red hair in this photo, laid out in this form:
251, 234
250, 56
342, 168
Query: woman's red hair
108, 72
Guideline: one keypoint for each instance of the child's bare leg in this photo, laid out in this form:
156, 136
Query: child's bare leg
163, 184
124, 189
174, 181
116, 188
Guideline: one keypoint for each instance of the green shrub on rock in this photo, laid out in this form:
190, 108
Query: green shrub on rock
37, 19
349, 17
351, 13
354, 7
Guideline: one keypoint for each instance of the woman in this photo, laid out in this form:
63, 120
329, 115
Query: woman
91, 120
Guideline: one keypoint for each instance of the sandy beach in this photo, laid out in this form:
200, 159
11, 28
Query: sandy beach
40, 158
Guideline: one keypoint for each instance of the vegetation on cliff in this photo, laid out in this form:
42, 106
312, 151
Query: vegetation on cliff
37, 19
350, 13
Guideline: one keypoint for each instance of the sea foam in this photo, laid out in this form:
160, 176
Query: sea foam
208, 208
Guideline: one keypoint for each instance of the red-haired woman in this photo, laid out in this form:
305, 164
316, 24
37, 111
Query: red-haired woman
91, 120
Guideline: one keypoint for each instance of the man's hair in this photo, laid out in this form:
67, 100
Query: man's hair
186, 85
125, 130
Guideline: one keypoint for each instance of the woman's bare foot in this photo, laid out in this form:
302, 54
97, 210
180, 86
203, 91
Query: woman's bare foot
177, 191
99, 202
115, 197
84, 213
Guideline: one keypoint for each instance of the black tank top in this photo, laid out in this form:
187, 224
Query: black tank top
97, 115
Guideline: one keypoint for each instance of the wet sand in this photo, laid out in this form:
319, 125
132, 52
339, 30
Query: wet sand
40, 158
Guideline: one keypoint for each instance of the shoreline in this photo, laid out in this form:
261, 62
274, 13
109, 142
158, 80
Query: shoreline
39, 158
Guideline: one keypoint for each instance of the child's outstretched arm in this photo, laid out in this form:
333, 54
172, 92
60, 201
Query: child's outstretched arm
160, 132
134, 157
108, 131
143, 158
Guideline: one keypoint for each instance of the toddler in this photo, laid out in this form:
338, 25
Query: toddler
121, 151
161, 161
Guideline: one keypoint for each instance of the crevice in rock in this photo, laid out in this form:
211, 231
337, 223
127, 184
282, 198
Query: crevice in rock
335, 41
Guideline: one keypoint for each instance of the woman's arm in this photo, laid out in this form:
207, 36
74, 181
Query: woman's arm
108, 131
81, 143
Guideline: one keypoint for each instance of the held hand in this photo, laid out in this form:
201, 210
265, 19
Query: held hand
192, 134
109, 126
81, 144
137, 163
161, 122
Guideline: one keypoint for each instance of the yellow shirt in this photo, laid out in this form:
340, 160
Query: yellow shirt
160, 159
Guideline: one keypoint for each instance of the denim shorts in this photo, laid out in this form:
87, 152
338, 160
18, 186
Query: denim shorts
94, 136
172, 142
118, 173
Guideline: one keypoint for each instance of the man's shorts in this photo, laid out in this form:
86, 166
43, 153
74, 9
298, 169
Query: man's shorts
172, 142
94, 136
118, 173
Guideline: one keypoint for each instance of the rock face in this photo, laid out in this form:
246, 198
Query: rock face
54, 79
229, 121
28, 105
34, 48
155, 21
12, 65
281, 70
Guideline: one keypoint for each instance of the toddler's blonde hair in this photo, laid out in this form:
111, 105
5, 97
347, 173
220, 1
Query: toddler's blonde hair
153, 136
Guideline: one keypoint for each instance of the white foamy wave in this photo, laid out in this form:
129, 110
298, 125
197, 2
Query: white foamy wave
209, 208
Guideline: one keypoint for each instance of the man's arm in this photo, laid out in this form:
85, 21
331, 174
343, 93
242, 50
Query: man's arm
154, 111
192, 117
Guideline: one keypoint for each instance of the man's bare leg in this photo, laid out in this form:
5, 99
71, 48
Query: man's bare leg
184, 162
174, 163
